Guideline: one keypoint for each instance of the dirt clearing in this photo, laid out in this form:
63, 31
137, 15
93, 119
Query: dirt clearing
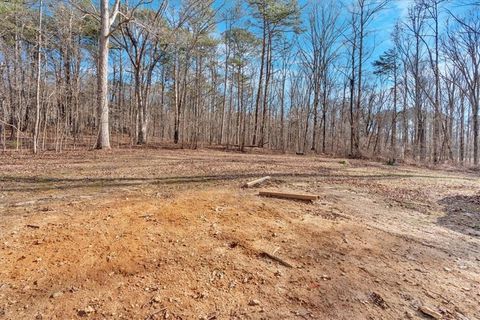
169, 234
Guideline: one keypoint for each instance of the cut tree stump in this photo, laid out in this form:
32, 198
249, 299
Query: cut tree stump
256, 182
289, 195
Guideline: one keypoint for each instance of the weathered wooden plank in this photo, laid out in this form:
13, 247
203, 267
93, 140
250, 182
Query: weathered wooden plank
289, 195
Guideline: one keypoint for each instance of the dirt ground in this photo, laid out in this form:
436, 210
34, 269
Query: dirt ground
169, 234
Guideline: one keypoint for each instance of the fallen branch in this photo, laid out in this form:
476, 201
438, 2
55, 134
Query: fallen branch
430, 312
14, 127
256, 182
275, 258
287, 195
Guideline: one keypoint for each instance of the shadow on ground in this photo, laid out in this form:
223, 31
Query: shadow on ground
39, 183
462, 214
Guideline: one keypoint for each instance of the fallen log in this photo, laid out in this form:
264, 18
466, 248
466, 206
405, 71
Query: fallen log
288, 195
256, 182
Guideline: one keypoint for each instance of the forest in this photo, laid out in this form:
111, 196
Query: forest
304, 77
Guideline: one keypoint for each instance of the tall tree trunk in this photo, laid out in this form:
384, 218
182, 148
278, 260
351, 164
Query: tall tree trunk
103, 140
260, 83
224, 100
316, 103
462, 129
436, 120
405, 112
282, 114
324, 111
475, 133
356, 141
39, 68
353, 129
141, 106
393, 159
266, 92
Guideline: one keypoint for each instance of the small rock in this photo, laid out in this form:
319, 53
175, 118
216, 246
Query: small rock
157, 299
86, 311
89, 309
57, 294
378, 300
254, 302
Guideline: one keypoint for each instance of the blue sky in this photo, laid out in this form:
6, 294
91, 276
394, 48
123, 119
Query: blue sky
380, 29
382, 25
398, 10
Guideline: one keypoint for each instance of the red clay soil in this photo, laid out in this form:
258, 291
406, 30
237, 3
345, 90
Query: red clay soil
159, 234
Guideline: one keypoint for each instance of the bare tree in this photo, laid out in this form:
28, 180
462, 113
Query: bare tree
462, 45
365, 10
39, 69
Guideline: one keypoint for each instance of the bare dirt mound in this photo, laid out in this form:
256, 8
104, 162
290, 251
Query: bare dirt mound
201, 255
